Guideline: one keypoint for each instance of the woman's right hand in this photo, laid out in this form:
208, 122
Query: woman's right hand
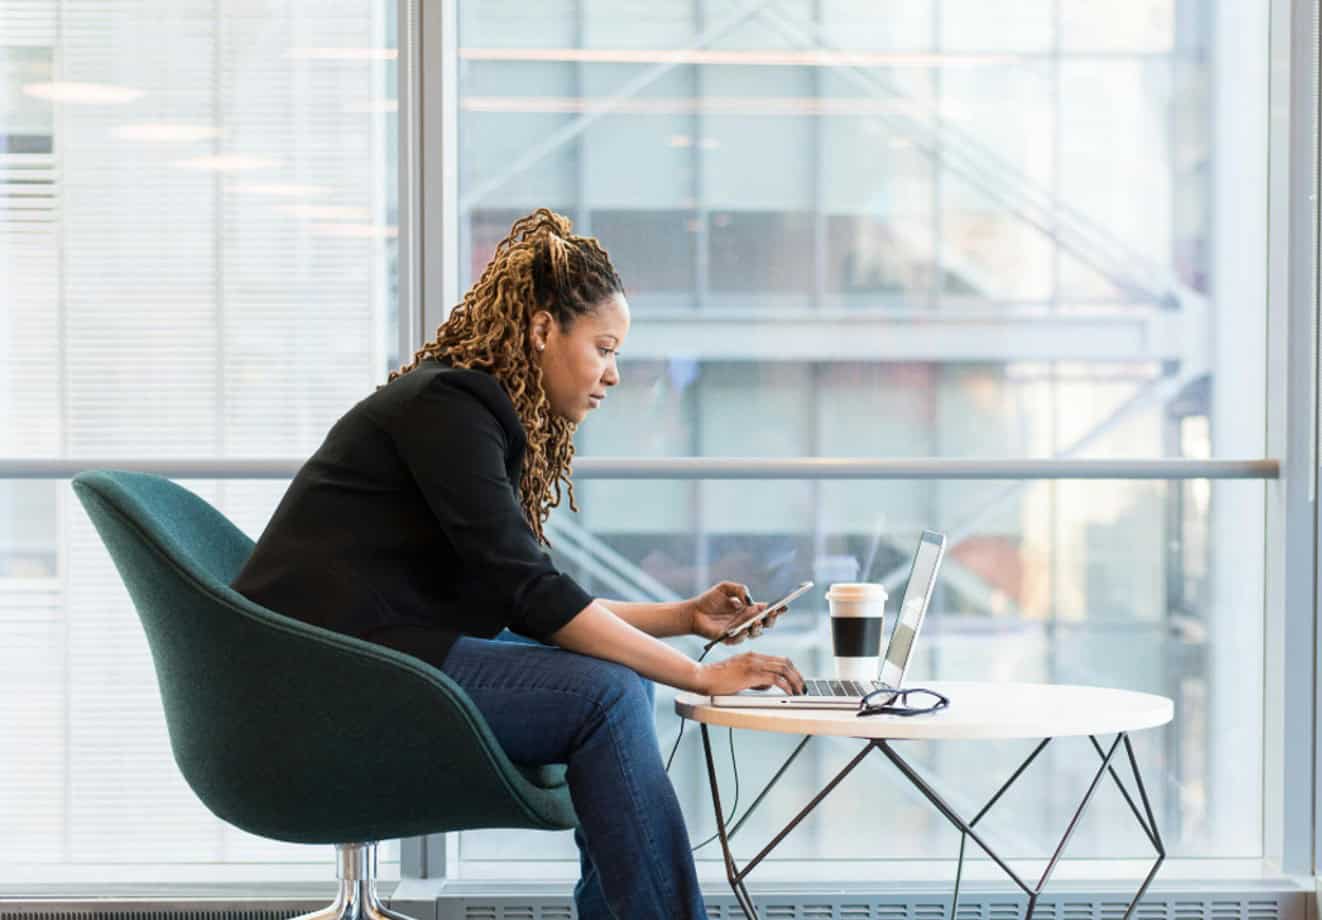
749, 670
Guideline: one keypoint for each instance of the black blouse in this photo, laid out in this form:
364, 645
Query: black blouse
408, 515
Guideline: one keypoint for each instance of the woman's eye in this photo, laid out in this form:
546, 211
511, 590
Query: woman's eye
604, 351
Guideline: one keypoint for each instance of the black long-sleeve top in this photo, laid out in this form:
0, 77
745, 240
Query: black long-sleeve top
409, 513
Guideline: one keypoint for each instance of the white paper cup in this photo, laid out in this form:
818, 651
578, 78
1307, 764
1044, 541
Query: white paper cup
858, 611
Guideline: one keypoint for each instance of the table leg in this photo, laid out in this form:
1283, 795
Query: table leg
966, 829
963, 838
1154, 835
949, 813
731, 873
736, 875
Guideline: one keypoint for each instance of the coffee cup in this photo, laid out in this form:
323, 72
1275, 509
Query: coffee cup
857, 614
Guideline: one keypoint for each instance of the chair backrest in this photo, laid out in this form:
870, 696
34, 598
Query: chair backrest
285, 729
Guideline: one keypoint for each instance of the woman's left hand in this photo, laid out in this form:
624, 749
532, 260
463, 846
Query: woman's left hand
724, 606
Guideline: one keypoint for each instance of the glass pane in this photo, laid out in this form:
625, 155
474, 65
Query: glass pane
94, 786
1102, 583
198, 253
185, 234
833, 175
939, 229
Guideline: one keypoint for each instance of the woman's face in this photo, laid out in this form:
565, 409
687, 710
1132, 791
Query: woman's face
578, 362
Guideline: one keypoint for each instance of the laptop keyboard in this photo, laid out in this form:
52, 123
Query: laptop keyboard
835, 688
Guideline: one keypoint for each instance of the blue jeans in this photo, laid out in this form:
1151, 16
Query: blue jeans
548, 705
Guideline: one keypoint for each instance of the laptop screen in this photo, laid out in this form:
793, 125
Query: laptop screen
922, 578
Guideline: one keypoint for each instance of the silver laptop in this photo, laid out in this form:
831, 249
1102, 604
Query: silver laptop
846, 694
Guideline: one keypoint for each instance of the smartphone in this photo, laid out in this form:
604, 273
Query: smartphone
771, 608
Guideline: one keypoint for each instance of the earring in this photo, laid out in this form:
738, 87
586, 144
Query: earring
541, 346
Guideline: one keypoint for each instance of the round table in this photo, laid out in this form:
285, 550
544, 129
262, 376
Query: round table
977, 710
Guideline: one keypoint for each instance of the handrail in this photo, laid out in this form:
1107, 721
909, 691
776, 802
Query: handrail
606, 563
714, 468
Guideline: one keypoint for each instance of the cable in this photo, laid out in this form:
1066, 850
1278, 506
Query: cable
734, 806
748, 599
682, 723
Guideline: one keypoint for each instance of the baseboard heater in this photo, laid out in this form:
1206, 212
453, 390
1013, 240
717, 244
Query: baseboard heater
1075, 905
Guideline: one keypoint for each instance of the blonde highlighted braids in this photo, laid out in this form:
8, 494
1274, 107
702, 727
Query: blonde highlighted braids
540, 265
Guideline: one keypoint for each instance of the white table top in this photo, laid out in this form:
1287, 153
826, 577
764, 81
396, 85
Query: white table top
977, 710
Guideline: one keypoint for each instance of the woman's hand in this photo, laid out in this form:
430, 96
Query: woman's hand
749, 670
723, 606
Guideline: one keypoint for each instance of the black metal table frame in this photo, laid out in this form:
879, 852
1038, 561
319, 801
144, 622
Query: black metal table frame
737, 875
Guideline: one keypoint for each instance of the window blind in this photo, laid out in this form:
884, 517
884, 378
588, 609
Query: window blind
197, 246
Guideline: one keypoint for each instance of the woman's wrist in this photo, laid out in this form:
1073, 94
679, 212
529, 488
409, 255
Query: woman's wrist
698, 680
684, 616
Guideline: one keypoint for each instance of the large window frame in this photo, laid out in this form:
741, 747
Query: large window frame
1291, 835
1292, 696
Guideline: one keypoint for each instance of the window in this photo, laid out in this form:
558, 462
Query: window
197, 241
1012, 209
954, 228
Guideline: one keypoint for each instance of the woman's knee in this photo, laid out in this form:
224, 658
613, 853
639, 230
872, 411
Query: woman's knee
649, 688
620, 685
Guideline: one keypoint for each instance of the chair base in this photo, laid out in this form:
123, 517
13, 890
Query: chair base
356, 900
351, 904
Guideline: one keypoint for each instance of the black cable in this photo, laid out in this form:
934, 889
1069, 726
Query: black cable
682, 723
734, 806
678, 737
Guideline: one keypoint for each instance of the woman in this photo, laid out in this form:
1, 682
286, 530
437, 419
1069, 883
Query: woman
418, 525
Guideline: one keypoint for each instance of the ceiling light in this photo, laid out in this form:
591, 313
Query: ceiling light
707, 105
812, 57
367, 231
164, 131
327, 212
373, 105
226, 162
82, 93
283, 190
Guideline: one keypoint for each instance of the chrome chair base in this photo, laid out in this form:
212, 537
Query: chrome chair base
356, 900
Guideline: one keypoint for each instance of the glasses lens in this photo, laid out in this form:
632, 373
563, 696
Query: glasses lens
883, 697
896, 702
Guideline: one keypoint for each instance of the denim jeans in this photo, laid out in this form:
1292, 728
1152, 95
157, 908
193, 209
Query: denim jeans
548, 705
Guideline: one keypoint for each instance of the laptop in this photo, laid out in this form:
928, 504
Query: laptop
846, 694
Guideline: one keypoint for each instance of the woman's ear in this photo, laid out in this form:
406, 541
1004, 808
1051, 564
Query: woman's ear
538, 329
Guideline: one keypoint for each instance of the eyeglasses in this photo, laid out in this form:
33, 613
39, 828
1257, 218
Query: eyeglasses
935, 702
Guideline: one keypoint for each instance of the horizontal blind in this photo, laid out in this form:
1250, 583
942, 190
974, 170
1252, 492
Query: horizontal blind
200, 265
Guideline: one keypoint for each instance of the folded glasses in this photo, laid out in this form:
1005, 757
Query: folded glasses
883, 702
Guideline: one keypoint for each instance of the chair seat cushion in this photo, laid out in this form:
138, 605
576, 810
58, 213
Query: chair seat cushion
546, 776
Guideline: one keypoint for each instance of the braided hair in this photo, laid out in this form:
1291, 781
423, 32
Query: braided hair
540, 265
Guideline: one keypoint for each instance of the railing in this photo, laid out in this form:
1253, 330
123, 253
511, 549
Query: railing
612, 570
715, 468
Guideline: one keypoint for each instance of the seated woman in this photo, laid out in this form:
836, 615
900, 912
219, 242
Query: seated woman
418, 524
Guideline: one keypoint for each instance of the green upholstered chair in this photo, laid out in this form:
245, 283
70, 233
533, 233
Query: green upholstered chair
293, 732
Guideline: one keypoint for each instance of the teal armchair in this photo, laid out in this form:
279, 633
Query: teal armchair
293, 732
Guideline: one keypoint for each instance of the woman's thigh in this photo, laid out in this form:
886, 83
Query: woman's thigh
541, 700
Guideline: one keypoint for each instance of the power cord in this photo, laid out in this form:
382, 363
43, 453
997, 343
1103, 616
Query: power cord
734, 806
682, 722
